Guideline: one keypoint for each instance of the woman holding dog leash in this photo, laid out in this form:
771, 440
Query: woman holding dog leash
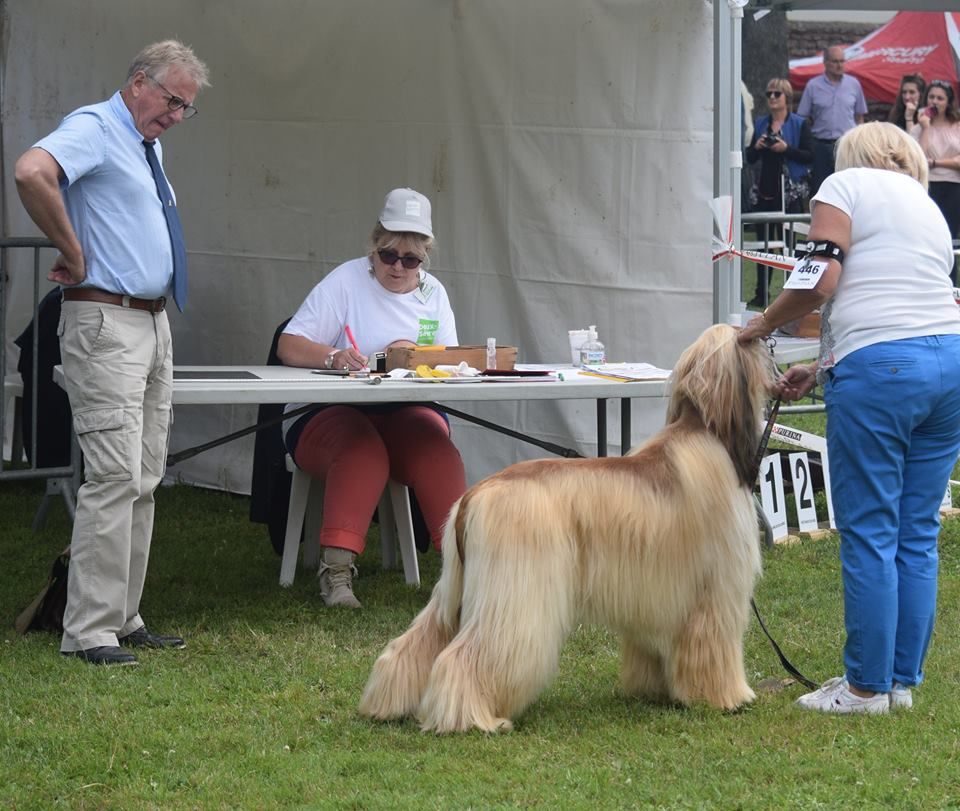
878, 265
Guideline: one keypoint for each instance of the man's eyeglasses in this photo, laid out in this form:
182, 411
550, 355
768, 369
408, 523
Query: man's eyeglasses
389, 257
774, 94
175, 103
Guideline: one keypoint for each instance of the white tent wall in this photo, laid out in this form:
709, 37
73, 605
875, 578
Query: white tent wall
567, 149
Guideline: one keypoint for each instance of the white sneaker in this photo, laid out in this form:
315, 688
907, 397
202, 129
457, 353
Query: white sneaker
835, 696
336, 577
900, 697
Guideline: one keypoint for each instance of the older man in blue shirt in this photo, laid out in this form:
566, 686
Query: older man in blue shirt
95, 186
833, 103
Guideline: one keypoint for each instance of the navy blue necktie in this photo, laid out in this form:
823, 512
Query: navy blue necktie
173, 226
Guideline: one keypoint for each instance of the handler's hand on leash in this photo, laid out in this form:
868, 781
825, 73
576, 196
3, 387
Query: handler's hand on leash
797, 382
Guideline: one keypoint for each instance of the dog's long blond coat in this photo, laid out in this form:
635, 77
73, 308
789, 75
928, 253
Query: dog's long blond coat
660, 546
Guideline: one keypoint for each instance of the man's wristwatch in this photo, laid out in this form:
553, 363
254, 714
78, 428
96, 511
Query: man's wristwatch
328, 363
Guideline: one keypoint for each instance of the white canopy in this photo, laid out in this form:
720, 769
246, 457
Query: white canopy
568, 150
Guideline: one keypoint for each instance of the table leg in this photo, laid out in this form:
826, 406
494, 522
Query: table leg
601, 427
626, 439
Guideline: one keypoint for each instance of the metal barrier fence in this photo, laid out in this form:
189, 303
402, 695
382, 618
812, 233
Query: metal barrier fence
62, 481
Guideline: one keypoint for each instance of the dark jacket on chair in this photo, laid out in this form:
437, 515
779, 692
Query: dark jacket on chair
270, 483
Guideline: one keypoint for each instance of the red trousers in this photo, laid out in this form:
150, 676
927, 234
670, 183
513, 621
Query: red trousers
355, 452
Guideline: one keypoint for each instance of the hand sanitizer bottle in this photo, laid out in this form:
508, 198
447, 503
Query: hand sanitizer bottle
491, 353
592, 352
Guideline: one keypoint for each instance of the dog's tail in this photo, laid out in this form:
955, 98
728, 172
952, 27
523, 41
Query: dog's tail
400, 674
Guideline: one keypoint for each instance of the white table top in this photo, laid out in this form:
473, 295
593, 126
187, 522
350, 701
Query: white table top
283, 384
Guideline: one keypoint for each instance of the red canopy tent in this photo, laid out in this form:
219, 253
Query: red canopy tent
925, 42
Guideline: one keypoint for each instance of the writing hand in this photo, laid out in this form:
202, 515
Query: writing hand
350, 358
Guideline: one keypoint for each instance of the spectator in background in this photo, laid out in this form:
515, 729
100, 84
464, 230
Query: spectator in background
904, 110
783, 145
938, 131
834, 103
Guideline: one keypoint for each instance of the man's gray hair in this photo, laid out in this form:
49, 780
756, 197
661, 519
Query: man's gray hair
157, 59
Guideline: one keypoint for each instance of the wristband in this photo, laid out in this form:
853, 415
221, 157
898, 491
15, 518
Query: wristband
328, 363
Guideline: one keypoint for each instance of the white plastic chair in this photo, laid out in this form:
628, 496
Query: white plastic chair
305, 510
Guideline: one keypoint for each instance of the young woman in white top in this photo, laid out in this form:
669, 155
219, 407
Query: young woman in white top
890, 367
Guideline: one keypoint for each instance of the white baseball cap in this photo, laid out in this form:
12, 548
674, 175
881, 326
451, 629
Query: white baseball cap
406, 210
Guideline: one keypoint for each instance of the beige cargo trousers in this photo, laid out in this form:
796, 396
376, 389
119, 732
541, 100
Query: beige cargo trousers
118, 366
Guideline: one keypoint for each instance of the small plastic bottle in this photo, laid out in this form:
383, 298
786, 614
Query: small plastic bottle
592, 352
491, 353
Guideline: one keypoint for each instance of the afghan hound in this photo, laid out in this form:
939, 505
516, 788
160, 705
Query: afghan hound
660, 546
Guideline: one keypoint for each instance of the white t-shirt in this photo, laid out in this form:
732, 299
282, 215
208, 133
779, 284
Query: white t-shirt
350, 295
895, 281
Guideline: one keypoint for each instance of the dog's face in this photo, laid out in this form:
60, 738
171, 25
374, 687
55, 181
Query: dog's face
727, 385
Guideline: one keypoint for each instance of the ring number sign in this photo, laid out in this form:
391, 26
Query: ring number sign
771, 495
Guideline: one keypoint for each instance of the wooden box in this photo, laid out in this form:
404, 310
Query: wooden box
403, 357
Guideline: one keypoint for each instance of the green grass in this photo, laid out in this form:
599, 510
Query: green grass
260, 710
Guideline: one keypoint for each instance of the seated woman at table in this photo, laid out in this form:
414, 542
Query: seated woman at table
384, 297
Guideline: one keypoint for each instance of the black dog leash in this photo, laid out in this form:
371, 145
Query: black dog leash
761, 451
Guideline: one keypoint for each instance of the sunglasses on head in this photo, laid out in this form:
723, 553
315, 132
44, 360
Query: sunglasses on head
774, 94
941, 84
409, 261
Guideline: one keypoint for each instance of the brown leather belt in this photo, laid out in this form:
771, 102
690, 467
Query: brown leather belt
151, 305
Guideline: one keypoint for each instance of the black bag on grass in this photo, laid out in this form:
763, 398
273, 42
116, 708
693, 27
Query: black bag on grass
45, 613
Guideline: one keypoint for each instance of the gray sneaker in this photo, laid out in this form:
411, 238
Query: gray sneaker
900, 697
336, 577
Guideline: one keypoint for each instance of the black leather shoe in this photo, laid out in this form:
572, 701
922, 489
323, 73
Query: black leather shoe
142, 638
104, 655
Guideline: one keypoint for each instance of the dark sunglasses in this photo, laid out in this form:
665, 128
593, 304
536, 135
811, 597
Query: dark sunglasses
774, 94
941, 84
389, 257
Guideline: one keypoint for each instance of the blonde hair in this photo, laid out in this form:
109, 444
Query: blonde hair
381, 238
784, 86
882, 145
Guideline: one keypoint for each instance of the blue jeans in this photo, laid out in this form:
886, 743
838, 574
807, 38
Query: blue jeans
893, 434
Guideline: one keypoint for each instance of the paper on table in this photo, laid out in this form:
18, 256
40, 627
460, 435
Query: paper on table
626, 372
631, 371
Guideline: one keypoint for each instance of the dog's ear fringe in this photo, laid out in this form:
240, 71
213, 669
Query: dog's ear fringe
726, 383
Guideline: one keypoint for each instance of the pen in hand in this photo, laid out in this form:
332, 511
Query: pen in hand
353, 343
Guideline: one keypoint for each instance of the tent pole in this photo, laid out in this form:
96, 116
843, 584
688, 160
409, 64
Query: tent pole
728, 147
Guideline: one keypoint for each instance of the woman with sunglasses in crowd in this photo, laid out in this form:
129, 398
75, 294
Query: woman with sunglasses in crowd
938, 131
359, 308
909, 97
783, 144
